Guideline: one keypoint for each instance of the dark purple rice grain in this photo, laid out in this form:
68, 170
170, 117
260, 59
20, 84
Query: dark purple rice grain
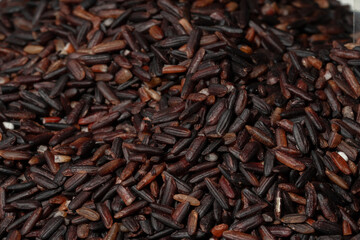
219, 197
79, 200
18, 221
167, 221
50, 227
